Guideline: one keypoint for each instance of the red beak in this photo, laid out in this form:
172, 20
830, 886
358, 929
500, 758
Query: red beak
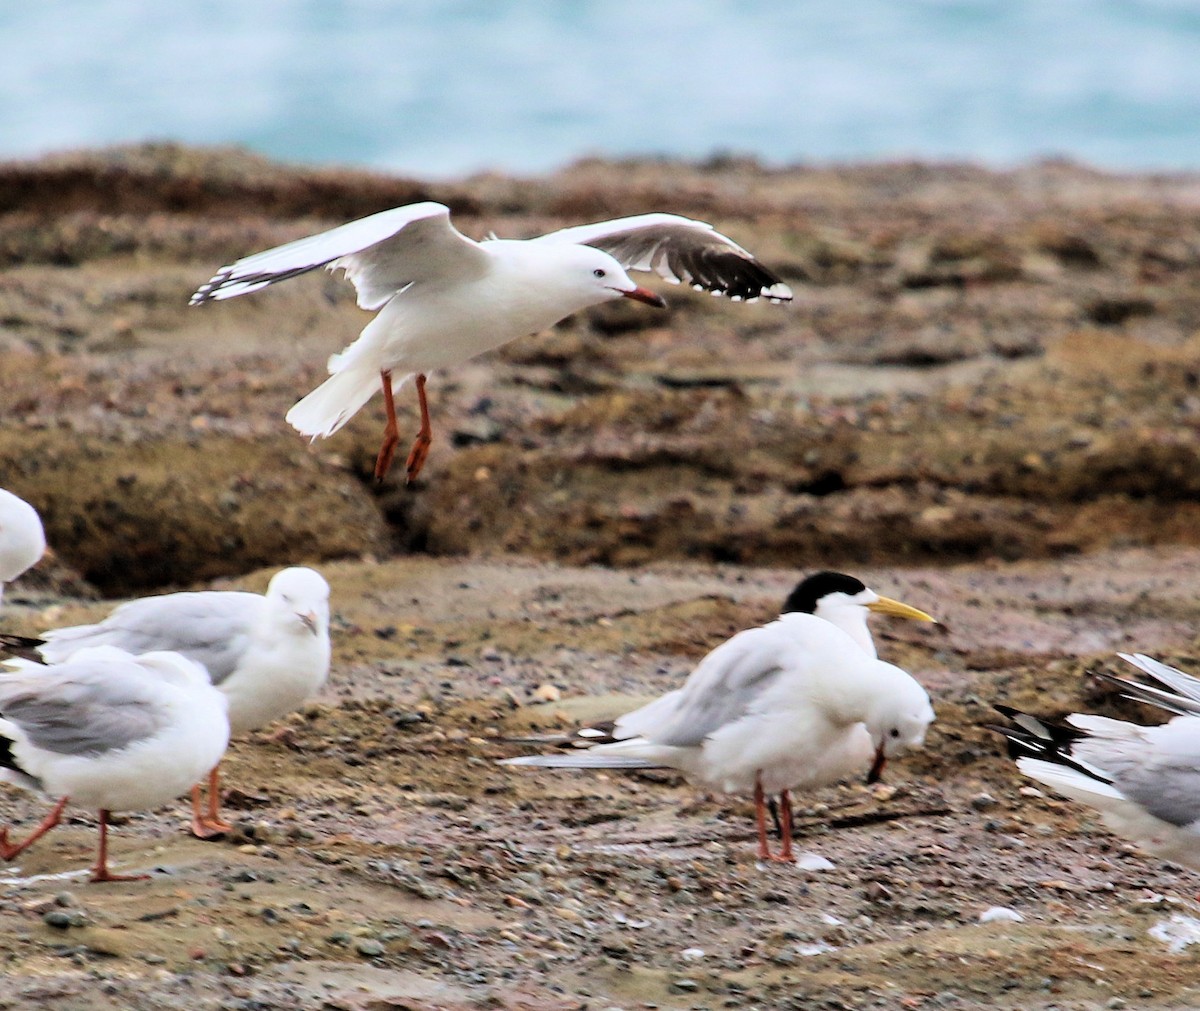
647, 296
876, 773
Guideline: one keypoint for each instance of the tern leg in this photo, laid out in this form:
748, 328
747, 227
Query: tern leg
785, 805
420, 446
773, 808
9, 850
101, 872
760, 817
391, 431
210, 825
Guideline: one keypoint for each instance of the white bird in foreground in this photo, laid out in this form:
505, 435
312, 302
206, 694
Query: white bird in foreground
266, 654
22, 539
796, 703
107, 731
444, 298
1144, 781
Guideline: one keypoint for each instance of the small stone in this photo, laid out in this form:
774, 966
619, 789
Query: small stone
983, 801
1000, 914
813, 862
546, 693
684, 986
62, 920
369, 948
65, 899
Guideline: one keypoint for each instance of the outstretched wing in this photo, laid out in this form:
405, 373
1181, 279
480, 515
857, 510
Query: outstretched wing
680, 250
381, 254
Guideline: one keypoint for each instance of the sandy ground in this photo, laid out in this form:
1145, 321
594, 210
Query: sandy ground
984, 402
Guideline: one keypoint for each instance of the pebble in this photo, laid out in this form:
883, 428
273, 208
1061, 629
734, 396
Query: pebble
1000, 914
813, 862
546, 693
62, 919
369, 948
983, 801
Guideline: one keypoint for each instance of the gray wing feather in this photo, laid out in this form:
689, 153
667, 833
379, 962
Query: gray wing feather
211, 627
722, 689
82, 708
1175, 679
1157, 768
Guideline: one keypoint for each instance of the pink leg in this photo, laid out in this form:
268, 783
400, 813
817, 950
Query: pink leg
420, 446
101, 872
760, 816
210, 825
391, 431
9, 850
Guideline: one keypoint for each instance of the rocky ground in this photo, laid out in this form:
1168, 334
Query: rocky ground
984, 401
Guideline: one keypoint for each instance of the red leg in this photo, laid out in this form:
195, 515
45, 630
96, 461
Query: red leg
391, 431
210, 825
420, 446
760, 816
785, 804
9, 850
101, 872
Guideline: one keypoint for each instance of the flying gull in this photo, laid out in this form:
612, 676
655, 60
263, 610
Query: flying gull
443, 298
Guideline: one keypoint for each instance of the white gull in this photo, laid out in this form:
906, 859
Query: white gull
266, 654
1144, 781
107, 731
444, 298
22, 539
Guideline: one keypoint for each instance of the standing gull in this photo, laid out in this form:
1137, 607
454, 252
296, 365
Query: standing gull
1144, 781
108, 731
22, 540
444, 298
266, 654
796, 703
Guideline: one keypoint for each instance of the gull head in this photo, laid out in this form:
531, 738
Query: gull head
899, 717
597, 277
299, 599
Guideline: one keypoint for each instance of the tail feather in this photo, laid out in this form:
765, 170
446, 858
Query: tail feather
334, 402
582, 760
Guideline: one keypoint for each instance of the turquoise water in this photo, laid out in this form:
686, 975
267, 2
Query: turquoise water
446, 88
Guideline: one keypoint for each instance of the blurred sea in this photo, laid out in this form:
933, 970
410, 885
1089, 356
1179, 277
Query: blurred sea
440, 88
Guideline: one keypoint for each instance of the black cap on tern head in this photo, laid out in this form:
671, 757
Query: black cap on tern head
804, 597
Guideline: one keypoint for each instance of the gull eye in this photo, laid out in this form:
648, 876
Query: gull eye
895, 732
599, 272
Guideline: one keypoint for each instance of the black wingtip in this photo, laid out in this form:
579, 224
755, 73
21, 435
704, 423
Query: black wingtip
21, 646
